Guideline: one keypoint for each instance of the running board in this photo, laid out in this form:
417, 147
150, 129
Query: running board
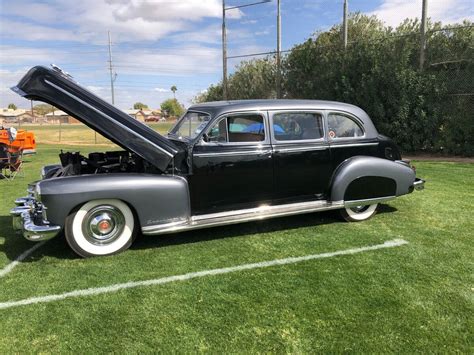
240, 216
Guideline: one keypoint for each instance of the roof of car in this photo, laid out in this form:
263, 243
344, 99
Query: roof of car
218, 107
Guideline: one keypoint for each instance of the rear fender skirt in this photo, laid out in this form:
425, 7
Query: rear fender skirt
367, 178
156, 199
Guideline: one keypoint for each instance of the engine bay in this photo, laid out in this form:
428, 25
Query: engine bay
74, 163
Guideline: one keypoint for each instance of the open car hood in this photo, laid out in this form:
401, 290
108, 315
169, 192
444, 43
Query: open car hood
57, 88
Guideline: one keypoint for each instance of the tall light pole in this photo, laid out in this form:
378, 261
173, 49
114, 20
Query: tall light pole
224, 53
278, 53
112, 75
224, 42
424, 15
344, 24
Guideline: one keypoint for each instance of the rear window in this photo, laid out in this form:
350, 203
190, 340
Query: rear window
342, 126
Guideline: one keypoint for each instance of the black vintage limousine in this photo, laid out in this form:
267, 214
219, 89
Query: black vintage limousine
222, 163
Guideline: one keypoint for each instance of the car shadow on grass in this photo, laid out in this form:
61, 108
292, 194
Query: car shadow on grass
15, 244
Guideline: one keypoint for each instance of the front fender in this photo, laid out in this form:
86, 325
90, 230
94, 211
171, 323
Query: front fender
365, 177
157, 199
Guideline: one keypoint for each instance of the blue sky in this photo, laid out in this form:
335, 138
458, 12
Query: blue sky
160, 43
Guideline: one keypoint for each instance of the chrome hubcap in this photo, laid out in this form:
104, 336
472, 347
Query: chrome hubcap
359, 209
103, 225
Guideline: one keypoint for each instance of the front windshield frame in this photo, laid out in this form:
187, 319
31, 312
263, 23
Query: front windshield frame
201, 121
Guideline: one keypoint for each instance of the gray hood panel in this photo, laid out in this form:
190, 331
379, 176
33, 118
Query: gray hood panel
51, 86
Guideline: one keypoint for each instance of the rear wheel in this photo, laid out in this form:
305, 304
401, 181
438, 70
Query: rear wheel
100, 227
358, 213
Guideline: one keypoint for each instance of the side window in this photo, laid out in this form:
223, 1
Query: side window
218, 133
238, 129
289, 126
342, 126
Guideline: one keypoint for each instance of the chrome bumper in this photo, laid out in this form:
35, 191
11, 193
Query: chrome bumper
419, 184
28, 218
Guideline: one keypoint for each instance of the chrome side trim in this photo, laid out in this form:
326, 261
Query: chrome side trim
245, 215
224, 154
107, 116
352, 145
147, 229
300, 149
369, 201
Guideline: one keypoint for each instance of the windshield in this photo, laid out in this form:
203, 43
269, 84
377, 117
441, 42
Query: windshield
190, 125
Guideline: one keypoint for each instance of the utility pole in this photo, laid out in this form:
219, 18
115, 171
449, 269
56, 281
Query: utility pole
424, 15
32, 112
278, 53
112, 75
224, 53
344, 24
225, 88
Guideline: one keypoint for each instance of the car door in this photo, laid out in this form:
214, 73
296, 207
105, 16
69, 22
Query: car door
301, 155
232, 164
347, 137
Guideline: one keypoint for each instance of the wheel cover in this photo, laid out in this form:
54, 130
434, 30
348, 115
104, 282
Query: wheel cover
360, 209
103, 224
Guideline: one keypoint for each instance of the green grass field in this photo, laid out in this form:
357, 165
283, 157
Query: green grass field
78, 134
413, 298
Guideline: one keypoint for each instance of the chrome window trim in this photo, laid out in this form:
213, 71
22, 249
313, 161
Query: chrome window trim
107, 116
271, 113
211, 124
184, 114
355, 119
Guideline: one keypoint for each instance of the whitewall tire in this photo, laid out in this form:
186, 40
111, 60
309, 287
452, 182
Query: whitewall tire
359, 213
100, 227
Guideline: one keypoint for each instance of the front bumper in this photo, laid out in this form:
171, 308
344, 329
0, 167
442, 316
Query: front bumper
29, 218
419, 184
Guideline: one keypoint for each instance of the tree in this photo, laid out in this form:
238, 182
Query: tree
174, 89
429, 109
43, 109
254, 79
173, 107
12, 106
139, 106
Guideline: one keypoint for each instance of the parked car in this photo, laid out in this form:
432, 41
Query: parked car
153, 119
221, 163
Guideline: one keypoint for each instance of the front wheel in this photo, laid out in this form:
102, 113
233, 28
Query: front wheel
359, 213
100, 227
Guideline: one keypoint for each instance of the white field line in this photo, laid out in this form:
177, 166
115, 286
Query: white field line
7, 269
193, 275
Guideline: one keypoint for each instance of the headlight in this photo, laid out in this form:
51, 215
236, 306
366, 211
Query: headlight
43, 173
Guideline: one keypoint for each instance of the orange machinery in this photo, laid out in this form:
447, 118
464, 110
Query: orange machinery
25, 141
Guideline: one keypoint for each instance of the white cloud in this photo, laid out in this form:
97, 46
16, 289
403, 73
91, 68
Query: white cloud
181, 62
95, 89
21, 56
35, 32
393, 12
161, 89
89, 20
